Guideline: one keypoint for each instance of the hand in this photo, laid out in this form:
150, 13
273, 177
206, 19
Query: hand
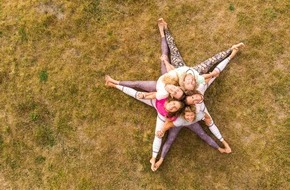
215, 73
141, 95
160, 134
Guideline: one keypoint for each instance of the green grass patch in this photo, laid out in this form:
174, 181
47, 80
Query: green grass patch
44, 136
43, 76
232, 7
40, 159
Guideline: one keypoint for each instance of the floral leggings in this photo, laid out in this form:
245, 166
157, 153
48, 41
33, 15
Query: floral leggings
201, 68
168, 43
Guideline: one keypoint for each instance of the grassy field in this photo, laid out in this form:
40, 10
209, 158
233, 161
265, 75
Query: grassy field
61, 128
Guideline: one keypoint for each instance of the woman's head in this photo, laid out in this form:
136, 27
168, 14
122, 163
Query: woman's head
188, 82
174, 107
189, 113
175, 91
194, 97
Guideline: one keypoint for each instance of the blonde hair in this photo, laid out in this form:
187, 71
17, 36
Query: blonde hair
181, 81
168, 79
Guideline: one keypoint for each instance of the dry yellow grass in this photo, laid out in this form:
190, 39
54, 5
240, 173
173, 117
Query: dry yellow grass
61, 128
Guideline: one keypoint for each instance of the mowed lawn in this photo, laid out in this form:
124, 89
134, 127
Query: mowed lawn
62, 128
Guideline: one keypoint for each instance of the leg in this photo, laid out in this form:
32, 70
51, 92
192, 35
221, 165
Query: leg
212, 127
222, 65
172, 134
205, 66
215, 131
176, 59
164, 49
219, 68
148, 86
200, 132
164, 46
157, 141
235, 48
131, 92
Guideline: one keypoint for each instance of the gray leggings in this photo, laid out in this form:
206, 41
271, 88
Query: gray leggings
173, 132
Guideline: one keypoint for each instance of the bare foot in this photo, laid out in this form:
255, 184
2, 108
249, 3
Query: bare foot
227, 147
235, 49
110, 84
158, 164
160, 22
222, 150
152, 161
161, 27
110, 79
164, 24
238, 46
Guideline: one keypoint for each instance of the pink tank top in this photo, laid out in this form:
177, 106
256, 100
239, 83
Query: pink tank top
160, 106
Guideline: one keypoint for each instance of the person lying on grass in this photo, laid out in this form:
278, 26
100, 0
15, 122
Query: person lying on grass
147, 86
189, 119
198, 95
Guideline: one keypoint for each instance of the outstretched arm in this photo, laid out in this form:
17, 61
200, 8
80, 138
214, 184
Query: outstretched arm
221, 66
146, 95
168, 66
167, 125
212, 127
210, 75
207, 119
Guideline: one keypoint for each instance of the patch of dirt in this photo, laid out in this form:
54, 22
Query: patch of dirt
69, 53
3, 183
281, 62
49, 8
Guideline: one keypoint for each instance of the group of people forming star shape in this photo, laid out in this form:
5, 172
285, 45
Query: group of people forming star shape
178, 95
